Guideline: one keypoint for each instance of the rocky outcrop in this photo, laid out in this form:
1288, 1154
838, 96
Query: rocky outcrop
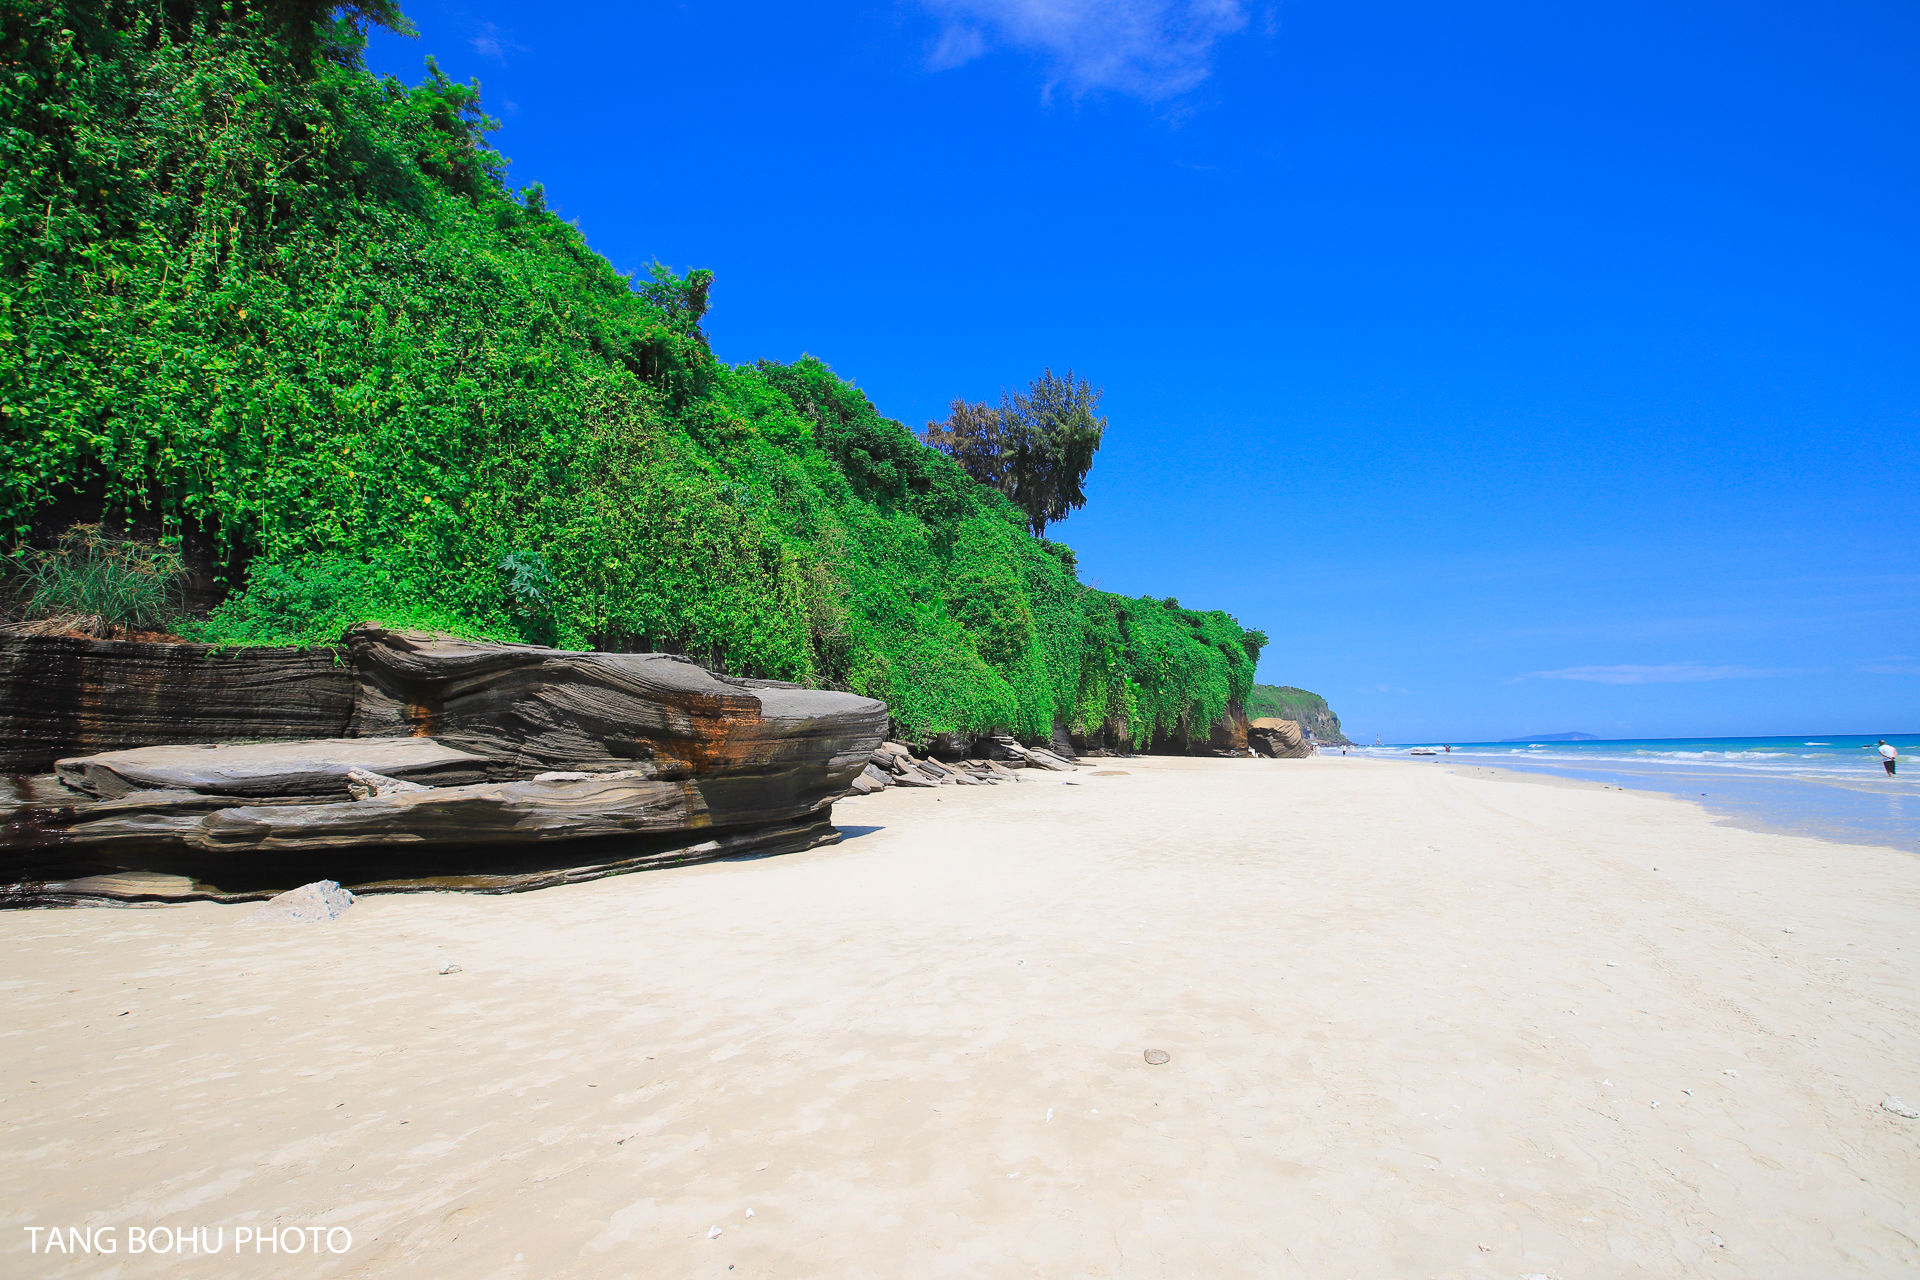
466, 765
1309, 710
1224, 736
1278, 739
995, 759
64, 696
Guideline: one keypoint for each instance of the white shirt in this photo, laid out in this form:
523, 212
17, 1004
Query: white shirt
1888, 752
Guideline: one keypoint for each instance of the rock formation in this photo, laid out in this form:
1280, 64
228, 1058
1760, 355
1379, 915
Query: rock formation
1279, 739
63, 696
1307, 709
463, 765
995, 758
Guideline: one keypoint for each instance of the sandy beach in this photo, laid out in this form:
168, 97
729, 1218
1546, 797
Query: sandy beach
1418, 1023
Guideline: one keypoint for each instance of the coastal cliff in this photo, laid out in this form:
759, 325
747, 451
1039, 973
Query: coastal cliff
1309, 710
393, 389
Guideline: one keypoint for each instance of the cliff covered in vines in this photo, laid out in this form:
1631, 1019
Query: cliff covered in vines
252, 294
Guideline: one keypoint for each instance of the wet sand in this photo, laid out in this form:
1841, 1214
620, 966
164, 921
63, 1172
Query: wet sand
1417, 1022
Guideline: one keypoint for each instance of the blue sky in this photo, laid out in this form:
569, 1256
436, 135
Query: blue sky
1517, 368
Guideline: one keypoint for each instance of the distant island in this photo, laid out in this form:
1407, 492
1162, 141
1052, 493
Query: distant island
1554, 737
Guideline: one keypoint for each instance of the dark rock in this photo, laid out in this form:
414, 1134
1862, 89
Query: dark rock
1002, 747
61, 696
506, 868
623, 756
529, 709
949, 746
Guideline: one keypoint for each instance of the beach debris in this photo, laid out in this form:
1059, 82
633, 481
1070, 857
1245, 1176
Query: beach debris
1729, 1071
1899, 1108
1788, 929
749, 1213
1655, 1104
309, 904
452, 968
713, 1232
1157, 1057
1718, 1243
1049, 1115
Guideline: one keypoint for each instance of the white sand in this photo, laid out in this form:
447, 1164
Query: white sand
1417, 1020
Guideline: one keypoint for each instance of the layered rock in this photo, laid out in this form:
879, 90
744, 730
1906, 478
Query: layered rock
995, 758
65, 696
1277, 738
465, 765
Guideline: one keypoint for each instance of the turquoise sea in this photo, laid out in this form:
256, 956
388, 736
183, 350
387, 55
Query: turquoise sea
1823, 784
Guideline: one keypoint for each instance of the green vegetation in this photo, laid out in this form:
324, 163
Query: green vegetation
270, 304
1310, 710
1036, 448
99, 583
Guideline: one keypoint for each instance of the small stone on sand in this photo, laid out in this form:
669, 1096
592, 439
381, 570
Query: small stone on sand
1157, 1057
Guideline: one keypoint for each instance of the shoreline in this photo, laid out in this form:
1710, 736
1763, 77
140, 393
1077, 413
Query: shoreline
1417, 1023
1725, 812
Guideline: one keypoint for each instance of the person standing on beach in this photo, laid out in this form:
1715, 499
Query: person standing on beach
1889, 756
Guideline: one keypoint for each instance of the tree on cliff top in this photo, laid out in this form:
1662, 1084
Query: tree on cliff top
1036, 448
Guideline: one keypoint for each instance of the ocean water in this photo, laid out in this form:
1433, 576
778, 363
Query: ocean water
1822, 784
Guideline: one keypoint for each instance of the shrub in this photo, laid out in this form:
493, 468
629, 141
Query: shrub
95, 582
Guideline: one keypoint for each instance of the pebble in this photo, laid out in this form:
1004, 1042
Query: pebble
1157, 1057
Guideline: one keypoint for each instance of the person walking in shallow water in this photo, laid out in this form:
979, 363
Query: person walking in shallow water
1889, 756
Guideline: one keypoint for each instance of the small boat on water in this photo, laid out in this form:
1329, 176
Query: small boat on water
1423, 751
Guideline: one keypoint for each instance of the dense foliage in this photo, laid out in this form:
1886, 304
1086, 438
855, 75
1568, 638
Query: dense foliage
252, 294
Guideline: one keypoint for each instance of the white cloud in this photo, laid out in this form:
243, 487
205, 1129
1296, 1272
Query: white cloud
493, 42
1670, 673
1151, 49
